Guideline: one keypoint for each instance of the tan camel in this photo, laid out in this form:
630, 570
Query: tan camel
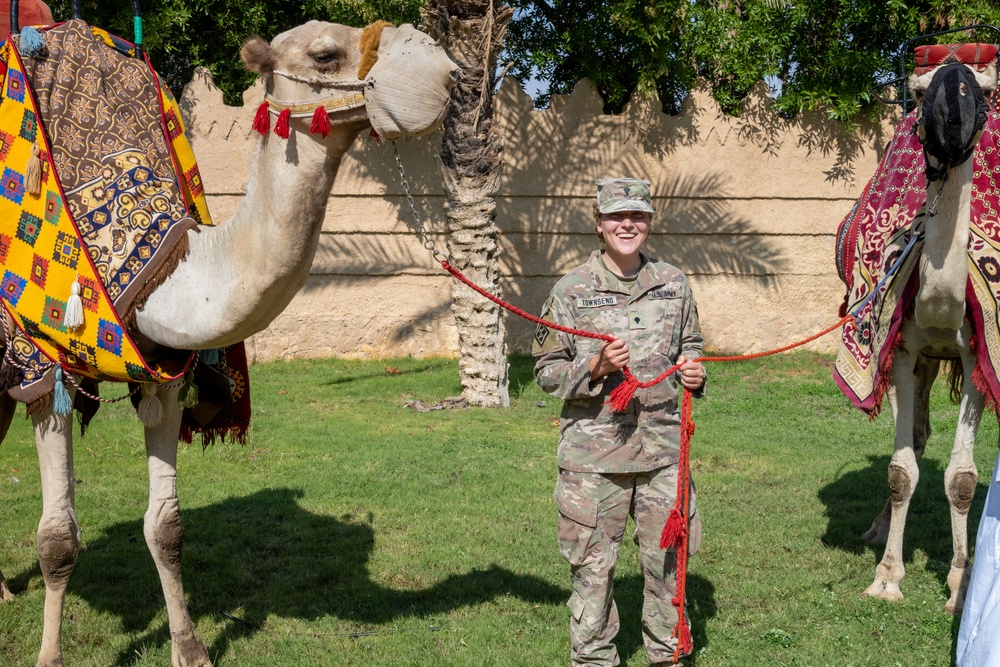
938, 329
240, 275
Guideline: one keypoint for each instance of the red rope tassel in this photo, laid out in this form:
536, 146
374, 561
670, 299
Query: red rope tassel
623, 393
320, 122
673, 530
683, 511
281, 127
262, 121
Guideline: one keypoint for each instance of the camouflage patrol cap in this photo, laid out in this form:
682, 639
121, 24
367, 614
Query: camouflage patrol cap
623, 194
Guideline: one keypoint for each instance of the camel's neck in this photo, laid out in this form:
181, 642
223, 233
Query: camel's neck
944, 268
240, 275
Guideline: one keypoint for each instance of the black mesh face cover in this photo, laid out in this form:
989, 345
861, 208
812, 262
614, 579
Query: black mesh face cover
953, 113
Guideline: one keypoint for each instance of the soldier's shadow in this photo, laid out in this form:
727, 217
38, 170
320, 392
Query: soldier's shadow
263, 555
628, 595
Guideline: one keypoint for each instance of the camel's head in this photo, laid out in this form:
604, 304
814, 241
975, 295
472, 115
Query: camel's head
397, 79
953, 101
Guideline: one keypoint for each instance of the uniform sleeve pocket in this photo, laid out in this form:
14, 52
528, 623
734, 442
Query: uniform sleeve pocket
572, 504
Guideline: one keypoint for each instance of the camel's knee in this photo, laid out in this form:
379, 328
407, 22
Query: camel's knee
165, 534
58, 547
900, 483
961, 489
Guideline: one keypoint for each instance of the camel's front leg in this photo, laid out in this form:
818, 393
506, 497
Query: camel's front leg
164, 531
960, 479
925, 371
58, 532
7, 408
903, 477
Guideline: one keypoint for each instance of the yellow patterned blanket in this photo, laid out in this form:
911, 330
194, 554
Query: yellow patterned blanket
98, 190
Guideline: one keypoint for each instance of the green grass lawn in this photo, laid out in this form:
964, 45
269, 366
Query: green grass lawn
351, 530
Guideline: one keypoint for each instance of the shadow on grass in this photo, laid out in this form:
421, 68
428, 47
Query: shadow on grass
854, 499
381, 374
261, 556
628, 595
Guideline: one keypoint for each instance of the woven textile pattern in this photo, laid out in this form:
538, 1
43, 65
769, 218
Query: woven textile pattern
117, 179
873, 236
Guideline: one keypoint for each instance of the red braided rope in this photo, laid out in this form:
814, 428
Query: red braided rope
676, 531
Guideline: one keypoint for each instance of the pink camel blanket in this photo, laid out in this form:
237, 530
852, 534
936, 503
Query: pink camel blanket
873, 236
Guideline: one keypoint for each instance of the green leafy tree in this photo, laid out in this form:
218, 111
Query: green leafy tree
827, 54
180, 35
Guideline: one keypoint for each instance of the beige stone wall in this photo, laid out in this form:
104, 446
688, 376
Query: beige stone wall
747, 207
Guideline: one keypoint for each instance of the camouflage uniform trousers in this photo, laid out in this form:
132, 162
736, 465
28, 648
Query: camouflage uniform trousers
593, 512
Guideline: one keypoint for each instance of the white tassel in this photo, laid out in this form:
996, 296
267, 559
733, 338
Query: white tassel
150, 409
74, 307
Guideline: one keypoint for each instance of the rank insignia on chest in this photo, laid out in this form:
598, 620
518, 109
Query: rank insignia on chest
669, 293
597, 302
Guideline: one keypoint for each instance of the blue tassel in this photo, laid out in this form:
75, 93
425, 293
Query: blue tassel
210, 357
32, 44
61, 403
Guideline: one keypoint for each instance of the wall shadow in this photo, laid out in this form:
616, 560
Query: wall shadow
266, 556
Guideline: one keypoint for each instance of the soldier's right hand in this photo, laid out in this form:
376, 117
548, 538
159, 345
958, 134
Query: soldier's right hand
612, 357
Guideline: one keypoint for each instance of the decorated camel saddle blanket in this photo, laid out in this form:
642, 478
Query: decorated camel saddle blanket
883, 225
98, 191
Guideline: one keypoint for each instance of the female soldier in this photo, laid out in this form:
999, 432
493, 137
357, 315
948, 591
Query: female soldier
612, 465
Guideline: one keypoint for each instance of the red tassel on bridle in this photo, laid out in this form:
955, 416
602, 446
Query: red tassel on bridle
320, 122
281, 127
262, 121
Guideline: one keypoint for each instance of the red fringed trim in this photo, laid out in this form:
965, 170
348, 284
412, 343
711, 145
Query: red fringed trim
673, 530
623, 393
320, 122
281, 127
262, 121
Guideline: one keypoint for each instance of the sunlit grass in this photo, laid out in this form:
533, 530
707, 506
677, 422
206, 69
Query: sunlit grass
351, 530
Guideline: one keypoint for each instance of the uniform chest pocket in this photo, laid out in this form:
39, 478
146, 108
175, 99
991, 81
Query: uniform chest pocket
668, 312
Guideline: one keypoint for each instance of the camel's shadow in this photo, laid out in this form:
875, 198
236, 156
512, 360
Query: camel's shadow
854, 499
263, 555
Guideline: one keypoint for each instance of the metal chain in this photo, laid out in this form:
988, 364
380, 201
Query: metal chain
427, 241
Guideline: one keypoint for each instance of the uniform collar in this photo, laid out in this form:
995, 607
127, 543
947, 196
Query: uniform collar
604, 280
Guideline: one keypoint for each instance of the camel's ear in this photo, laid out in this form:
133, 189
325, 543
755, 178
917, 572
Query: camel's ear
258, 55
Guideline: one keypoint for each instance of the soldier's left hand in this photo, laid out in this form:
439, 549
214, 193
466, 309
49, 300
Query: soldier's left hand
692, 373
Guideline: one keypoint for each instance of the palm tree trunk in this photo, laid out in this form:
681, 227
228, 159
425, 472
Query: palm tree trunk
472, 33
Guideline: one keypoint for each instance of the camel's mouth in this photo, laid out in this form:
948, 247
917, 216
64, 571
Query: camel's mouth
951, 118
410, 85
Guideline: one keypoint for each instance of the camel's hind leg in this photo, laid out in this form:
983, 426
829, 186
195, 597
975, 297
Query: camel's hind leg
960, 479
903, 477
925, 371
164, 532
58, 532
7, 408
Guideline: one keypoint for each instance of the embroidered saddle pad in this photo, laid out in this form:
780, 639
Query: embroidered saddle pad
872, 237
116, 190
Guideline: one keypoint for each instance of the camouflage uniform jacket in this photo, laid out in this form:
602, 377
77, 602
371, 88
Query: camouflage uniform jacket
658, 319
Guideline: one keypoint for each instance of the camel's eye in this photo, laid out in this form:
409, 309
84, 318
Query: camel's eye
326, 58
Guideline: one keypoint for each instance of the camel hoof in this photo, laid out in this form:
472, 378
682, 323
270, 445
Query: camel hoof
5, 594
884, 590
953, 606
188, 651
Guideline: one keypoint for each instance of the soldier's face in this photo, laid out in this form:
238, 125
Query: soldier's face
624, 232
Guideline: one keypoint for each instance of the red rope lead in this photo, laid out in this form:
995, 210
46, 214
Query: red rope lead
676, 533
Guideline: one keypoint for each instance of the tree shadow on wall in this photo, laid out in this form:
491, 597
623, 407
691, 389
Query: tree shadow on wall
266, 556
549, 230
